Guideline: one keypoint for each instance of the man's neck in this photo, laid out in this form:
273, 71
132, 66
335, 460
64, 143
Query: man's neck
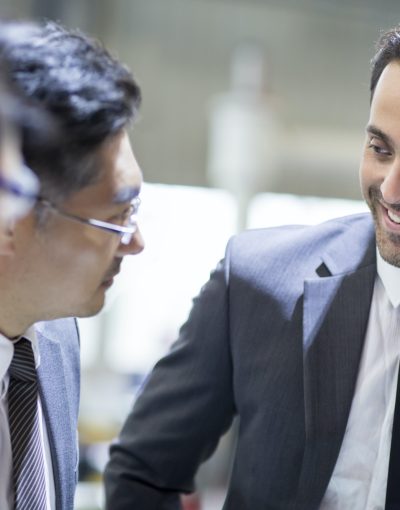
17, 306
12, 329
390, 276
14, 319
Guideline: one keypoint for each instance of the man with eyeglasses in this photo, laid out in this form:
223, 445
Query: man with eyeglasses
65, 252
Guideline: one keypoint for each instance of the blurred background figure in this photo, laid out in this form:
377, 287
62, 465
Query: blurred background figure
18, 185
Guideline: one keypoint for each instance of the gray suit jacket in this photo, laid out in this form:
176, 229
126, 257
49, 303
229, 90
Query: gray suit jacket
59, 381
275, 337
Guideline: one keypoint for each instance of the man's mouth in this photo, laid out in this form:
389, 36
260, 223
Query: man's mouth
107, 283
390, 218
390, 212
109, 279
394, 217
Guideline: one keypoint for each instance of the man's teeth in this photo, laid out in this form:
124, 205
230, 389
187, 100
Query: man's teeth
393, 216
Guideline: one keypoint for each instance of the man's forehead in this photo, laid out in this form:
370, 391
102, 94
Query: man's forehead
384, 118
125, 194
387, 88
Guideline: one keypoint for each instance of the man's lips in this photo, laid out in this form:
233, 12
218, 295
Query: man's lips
394, 217
391, 216
108, 280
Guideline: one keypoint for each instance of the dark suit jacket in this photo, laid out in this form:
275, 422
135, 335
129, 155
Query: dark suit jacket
59, 382
276, 337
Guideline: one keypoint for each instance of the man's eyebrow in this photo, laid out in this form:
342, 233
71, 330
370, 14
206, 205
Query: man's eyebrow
373, 130
126, 194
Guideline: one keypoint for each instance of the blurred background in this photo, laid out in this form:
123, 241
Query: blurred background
253, 115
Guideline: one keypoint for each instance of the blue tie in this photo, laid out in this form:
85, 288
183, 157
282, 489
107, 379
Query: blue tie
27, 452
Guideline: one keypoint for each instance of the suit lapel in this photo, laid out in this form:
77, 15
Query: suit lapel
336, 311
54, 398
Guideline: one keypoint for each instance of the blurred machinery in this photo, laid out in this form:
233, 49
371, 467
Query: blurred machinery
244, 132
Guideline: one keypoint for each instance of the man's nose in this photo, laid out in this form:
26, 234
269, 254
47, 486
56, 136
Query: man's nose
135, 245
390, 187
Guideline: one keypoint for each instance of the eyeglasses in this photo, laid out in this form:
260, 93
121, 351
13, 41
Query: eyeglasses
126, 231
19, 193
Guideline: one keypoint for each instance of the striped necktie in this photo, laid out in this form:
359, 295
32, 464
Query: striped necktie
27, 453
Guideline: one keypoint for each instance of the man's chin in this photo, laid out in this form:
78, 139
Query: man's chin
389, 247
94, 306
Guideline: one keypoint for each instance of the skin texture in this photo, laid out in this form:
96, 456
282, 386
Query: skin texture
63, 268
380, 163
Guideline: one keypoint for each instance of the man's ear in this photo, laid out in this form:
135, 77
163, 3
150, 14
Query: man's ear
7, 240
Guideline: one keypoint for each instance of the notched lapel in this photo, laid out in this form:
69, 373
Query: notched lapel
336, 310
53, 392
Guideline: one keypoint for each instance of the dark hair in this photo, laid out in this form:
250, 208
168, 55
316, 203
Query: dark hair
36, 129
87, 92
388, 49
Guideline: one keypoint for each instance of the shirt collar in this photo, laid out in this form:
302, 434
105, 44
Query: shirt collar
7, 350
390, 277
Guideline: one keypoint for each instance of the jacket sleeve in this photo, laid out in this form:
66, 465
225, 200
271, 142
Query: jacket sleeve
183, 409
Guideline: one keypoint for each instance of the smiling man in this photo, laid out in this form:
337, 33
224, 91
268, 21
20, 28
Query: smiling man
380, 174
64, 254
296, 333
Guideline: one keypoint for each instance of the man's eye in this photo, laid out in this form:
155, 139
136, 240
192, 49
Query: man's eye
121, 217
376, 145
124, 216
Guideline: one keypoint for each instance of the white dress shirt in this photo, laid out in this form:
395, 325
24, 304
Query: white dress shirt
6, 489
359, 479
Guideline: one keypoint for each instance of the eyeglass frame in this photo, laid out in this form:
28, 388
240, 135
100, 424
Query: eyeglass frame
126, 232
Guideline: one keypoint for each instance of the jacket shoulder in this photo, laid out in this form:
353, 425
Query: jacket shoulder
302, 241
